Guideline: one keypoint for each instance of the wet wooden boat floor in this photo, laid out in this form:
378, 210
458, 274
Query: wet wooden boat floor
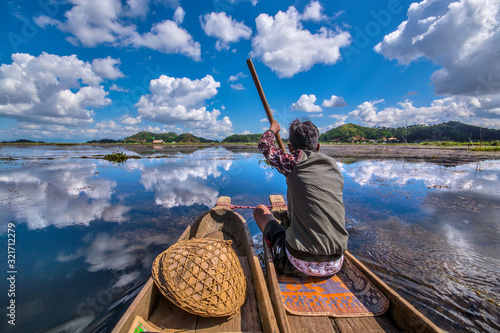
168, 315
343, 325
326, 324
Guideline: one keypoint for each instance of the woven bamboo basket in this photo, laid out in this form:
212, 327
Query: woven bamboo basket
201, 276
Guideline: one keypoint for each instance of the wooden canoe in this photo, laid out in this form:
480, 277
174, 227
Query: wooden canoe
158, 314
401, 315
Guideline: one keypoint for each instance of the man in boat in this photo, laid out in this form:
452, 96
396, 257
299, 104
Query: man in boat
314, 243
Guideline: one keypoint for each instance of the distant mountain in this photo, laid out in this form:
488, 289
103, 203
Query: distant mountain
23, 141
190, 138
242, 138
104, 141
450, 131
352, 132
148, 137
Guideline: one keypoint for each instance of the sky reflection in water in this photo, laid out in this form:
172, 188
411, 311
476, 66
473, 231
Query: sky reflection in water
88, 230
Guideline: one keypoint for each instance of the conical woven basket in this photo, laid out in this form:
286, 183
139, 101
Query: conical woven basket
201, 276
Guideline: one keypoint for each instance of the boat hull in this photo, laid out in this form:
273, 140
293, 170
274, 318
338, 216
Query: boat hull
256, 314
400, 316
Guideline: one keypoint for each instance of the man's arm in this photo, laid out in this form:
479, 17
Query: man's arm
282, 161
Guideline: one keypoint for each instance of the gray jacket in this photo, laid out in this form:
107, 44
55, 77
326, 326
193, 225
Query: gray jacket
315, 204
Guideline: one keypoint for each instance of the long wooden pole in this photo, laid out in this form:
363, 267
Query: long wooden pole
264, 100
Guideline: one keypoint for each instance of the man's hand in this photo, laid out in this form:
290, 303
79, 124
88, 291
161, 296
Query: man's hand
275, 127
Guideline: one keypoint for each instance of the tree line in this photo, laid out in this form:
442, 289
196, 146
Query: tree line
450, 131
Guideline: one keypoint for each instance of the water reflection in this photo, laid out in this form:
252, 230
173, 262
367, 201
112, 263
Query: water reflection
61, 195
186, 181
431, 232
151, 201
126, 253
77, 192
482, 176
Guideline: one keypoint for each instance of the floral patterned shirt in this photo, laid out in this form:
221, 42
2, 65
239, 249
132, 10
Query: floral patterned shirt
285, 162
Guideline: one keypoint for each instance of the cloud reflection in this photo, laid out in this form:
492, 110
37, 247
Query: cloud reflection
127, 253
482, 176
67, 193
60, 195
194, 179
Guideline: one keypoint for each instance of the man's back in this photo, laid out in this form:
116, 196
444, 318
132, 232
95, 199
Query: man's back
316, 208
314, 243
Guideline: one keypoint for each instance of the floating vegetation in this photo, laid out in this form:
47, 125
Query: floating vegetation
118, 157
486, 149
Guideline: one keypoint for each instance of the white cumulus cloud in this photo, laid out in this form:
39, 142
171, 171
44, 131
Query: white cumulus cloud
334, 102
313, 12
237, 2
340, 120
131, 120
115, 87
94, 22
237, 86
236, 77
484, 111
181, 101
167, 37
285, 46
179, 15
52, 89
107, 68
225, 29
306, 103
463, 37
136, 8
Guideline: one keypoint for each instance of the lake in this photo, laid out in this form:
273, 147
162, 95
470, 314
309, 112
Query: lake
87, 230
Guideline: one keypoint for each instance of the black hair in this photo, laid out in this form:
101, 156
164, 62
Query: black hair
303, 134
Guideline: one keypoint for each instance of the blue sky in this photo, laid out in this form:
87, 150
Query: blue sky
79, 70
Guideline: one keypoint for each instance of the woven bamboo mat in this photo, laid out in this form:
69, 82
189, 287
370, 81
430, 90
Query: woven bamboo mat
347, 294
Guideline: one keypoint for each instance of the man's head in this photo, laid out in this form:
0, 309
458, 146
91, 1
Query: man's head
304, 135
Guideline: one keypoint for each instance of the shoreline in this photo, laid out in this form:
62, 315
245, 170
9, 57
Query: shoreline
443, 155
446, 156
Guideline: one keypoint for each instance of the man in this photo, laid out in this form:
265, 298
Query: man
314, 243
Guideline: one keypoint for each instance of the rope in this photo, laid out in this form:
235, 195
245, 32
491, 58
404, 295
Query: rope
248, 207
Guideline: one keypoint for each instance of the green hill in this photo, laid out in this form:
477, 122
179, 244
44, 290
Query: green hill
450, 131
242, 138
104, 141
148, 137
351, 132
23, 141
190, 138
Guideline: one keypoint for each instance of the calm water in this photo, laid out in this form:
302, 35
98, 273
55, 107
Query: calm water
88, 230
